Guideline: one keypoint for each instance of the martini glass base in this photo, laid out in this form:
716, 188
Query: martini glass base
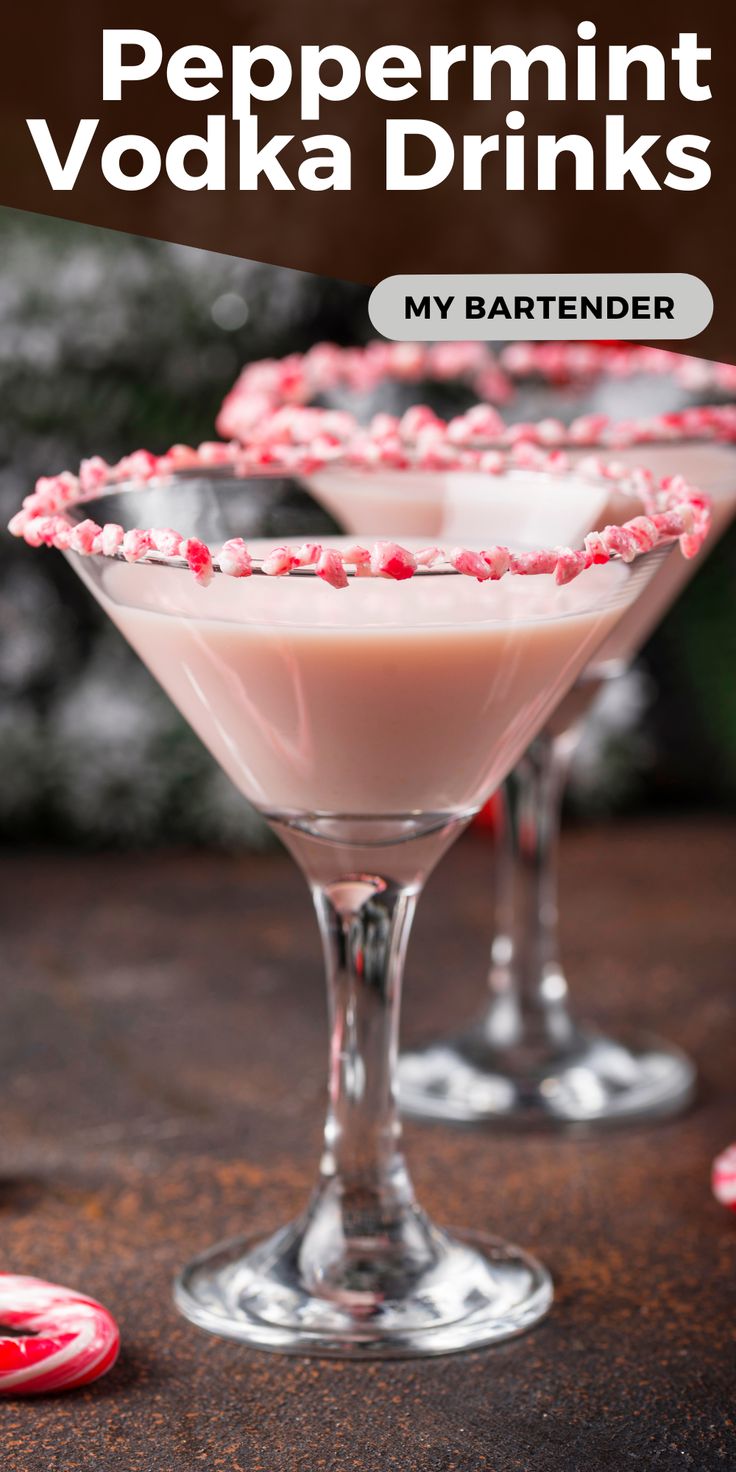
592, 1080
477, 1291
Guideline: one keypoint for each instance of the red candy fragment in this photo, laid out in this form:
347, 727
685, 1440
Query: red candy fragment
197, 555
136, 544
569, 565
166, 541
472, 563
235, 559
278, 562
84, 535
330, 568
388, 560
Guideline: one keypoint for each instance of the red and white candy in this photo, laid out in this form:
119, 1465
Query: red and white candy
68, 1339
723, 1177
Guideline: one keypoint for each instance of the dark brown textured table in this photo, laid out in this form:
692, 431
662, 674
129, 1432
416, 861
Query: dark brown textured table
162, 1063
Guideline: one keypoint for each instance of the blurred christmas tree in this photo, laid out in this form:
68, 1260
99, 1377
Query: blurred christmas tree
108, 342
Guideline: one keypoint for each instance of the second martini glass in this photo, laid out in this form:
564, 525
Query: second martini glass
528, 1060
367, 724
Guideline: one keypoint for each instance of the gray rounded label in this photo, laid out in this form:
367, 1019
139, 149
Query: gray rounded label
612, 305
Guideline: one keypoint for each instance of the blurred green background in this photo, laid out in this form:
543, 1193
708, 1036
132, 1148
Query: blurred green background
110, 342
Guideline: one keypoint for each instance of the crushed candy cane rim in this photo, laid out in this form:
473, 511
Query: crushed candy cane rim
270, 388
578, 362
272, 383
476, 440
420, 440
672, 510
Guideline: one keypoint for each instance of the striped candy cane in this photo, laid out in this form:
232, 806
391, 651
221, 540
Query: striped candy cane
68, 1339
724, 1177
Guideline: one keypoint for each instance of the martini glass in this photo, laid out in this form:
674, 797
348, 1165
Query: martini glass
527, 1060
367, 725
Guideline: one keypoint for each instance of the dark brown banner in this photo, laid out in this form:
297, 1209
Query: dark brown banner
53, 74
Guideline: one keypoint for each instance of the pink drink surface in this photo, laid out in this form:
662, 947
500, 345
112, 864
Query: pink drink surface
382, 699
514, 509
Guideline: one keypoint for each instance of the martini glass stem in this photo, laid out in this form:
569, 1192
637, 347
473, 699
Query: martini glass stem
363, 1270
364, 922
529, 991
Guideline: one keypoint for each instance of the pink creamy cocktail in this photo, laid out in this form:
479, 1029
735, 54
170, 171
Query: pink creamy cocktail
396, 699
521, 508
367, 699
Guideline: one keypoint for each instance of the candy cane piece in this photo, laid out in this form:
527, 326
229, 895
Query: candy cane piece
71, 1340
724, 1177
